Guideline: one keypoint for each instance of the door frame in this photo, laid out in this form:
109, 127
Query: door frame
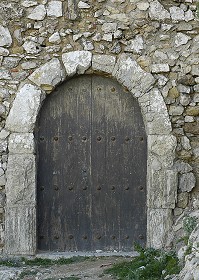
20, 211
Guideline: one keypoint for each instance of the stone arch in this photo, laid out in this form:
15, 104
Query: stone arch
20, 224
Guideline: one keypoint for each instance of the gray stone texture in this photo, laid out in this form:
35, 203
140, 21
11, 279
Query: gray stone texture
20, 230
21, 186
130, 74
21, 143
187, 182
157, 11
76, 62
159, 224
24, 110
103, 63
5, 37
155, 113
50, 74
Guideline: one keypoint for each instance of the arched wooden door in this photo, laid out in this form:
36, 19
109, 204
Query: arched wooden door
91, 150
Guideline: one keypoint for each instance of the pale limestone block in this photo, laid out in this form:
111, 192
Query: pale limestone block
38, 13
54, 9
142, 6
20, 186
4, 51
5, 37
49, 74
157, 11
181, 39
21, 143
182, 167
83, 5
155, 113
55, 38
109, 27
104, 63
31, 47
130, 74
29, 3
135, 45
76, 62
162, 188
22, 116
187, 182
159, 226
20, 230
160, 68
177, 14
163, 147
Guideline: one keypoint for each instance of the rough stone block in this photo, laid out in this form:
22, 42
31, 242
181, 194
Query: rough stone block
24, 110
21, 143
51, 73
187, 182
21, 183
162, 188
54, 9
130, 74
155, 113
20, 230
159, 226
163, 147
5, 37
104, 63
157, 11
38, 13
76, 62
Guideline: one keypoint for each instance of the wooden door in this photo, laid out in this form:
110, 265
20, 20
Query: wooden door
92, 155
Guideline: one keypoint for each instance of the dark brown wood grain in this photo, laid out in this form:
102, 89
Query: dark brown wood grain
91, 150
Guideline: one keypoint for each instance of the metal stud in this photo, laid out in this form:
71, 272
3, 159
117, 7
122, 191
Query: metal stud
42, 188
84, 138
70, 138
98, 236
112, 89
113, 237
99, 188
113, 138
99, 138
70, 236
56, 138
112, 188
70, 188
141, 139
41, 138
141, 188
84, 237
56, 188
85, 188
56, 237
127, 237
127, 188
141, 236
127, 138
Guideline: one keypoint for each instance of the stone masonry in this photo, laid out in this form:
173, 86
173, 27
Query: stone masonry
151, 47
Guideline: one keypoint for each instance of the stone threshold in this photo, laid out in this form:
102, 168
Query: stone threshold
98, 253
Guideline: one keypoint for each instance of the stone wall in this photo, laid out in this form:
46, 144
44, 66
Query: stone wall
157, 40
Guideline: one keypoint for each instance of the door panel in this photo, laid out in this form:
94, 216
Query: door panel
91, 168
